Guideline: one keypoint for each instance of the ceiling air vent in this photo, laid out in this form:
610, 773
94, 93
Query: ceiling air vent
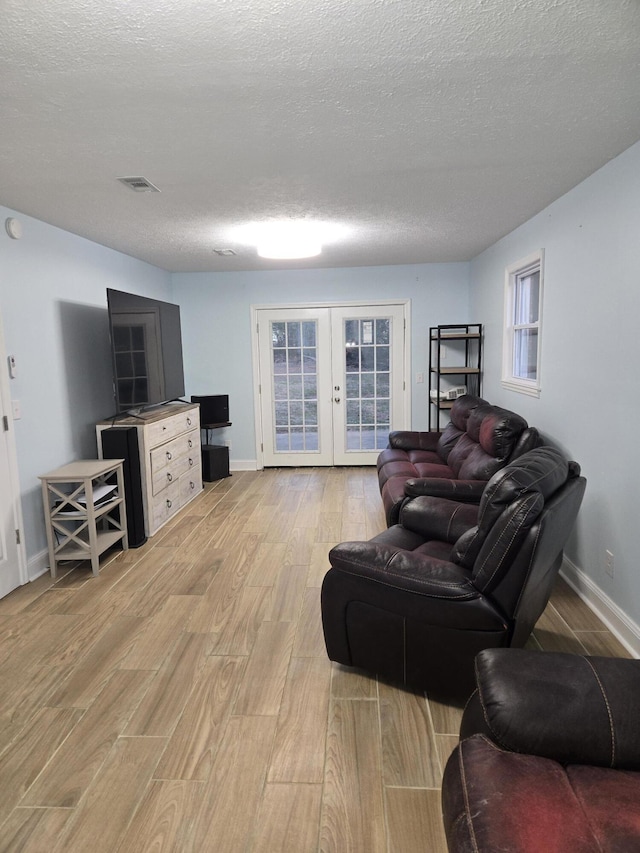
139, 185
224, 252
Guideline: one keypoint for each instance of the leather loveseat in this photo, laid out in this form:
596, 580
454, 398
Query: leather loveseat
549, 758
457, 462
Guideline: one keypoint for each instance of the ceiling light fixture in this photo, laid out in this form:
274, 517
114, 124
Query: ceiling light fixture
288, 240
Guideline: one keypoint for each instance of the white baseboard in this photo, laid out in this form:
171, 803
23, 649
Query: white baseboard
243, 465
616, 620
38, 565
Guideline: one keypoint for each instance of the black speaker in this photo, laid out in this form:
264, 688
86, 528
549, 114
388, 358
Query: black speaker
122, 443
213, 409
215, 462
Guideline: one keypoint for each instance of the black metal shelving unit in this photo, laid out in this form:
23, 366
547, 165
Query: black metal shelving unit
466, 341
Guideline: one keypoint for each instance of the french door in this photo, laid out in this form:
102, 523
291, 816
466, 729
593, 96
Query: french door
331, 382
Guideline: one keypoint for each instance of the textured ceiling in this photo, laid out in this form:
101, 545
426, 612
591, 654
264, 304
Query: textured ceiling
426, 129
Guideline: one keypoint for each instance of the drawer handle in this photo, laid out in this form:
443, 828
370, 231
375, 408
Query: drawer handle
192, 484
190, 462
168, 504
188, 421
190, 444
163, 428
169, 456
170, 477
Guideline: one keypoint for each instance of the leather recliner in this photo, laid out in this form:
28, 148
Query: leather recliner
417, 602
549, 757
457, 462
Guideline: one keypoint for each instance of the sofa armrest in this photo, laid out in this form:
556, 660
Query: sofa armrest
570, 708
410, 571
466, 491
407, 440
438, 518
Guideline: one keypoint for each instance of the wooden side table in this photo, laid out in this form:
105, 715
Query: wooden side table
84, 510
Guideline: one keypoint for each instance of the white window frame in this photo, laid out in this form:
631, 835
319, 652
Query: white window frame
513, 272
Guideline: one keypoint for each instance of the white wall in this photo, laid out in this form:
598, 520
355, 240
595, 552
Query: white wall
216, 329
54, 313
589, 405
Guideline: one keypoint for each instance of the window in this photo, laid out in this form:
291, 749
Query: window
523, 325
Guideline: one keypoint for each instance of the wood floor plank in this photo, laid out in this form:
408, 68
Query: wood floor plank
33, 830
299, 546
288, 820
288, 593
93, 670
351, 683
196, 739
415, 821
23, 698
164, 701
309, 642
159, 635
409, 753
231, 804
72, 768
319, 565
163, 821
353, 809
554, 635
266, 566
102, 818
299, 748
25, 595
238, 634
263, 683
178, 577
22, 762
446, 718
602, 643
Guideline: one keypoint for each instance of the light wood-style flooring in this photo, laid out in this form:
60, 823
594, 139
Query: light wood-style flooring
183, 701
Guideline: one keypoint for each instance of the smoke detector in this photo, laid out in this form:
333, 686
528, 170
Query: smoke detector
139, 185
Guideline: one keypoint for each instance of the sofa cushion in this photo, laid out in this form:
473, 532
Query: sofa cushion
497, 800
522, 486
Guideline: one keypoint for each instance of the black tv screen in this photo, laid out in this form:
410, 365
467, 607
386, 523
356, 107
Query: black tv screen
146, 346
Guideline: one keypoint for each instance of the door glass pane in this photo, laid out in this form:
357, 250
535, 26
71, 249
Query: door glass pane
295, 386
368, 399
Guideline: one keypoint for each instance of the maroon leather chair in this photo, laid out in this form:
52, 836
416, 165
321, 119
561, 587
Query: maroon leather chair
549, 760
457, 462
417, 602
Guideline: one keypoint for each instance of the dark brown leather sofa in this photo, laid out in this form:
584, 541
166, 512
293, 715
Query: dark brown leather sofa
549, 760
457, 462
417, 602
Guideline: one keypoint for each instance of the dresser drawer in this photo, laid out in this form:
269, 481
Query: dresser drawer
165, 504
172, 426
163, 457
190, 483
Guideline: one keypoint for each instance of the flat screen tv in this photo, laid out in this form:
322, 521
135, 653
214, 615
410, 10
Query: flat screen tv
146, 346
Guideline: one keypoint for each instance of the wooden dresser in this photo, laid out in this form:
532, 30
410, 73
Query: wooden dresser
170, 465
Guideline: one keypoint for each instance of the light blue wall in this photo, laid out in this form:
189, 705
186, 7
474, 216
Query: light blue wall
589, 403
54, 314
216, 328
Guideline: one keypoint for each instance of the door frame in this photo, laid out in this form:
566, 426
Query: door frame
359, 303
12, 460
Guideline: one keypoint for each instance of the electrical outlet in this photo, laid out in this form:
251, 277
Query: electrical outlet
228, 443
419, 378
608, 563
